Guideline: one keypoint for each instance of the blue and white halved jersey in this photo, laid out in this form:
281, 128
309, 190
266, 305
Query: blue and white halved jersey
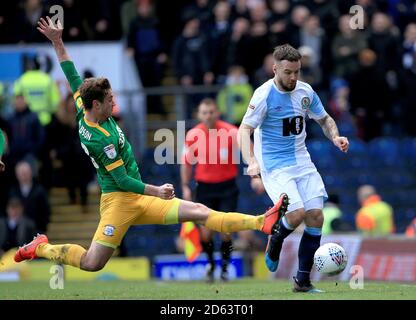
279, 121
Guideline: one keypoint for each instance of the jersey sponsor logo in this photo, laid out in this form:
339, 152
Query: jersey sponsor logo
110, 151
121, 139
306, 103
109, 230
84, 132
292, 126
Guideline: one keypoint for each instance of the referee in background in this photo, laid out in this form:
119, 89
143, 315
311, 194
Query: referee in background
211, 145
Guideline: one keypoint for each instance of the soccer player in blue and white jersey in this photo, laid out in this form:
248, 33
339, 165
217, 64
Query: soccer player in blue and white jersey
277, 114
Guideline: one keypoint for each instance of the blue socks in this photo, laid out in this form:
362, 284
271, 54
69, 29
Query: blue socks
309, 243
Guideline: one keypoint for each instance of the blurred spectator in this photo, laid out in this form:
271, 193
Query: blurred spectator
279, 10
39, 90
201, 10
259, 37
234, 98
240, 9
191, 61
8, 11
191, 57
26, 21
73, 20
370, 97
407, 78
409, 47
239, 46
327, 12
298, 16
310, 73
265, 72
312, 36
144, 43
63, 144
27, 134
259, 12
369, 7
333, 220
345, 48
375, 218
102, 19
33, 196
339, 107
411, 229
277, 22
384, 42
403, 12
15, 229
219, 38
128, 12
278, 34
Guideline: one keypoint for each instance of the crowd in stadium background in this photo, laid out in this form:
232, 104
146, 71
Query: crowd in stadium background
365, 78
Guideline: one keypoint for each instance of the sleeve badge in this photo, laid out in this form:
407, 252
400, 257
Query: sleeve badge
110, 151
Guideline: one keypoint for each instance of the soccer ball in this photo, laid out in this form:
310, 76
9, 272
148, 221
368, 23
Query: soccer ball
330, 259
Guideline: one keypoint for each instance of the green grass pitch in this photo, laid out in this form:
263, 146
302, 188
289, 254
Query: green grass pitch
245, 289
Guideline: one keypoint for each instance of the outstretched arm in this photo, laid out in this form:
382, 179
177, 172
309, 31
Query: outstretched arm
54, 34
330, 130
130, 184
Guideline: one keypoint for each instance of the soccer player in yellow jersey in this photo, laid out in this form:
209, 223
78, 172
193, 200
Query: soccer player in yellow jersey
125, 199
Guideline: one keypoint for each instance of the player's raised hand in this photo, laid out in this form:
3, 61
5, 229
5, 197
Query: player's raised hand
166, 191
51, 31
342, 143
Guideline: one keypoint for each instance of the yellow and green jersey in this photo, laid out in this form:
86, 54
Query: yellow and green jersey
104, 143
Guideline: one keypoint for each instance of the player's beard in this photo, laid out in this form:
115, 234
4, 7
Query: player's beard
285, 87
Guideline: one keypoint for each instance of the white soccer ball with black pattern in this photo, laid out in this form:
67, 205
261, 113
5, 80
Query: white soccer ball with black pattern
330, 259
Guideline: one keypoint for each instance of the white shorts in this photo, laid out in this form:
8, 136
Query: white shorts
303, 185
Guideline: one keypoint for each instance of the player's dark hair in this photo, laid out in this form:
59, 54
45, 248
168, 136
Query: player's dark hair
93, 89
286, 52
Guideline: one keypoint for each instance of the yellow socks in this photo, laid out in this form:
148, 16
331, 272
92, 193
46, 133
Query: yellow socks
69, 254
233, 221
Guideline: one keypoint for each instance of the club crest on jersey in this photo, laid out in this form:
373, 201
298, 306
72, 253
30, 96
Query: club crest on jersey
109, 230
306, 102
110, 151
